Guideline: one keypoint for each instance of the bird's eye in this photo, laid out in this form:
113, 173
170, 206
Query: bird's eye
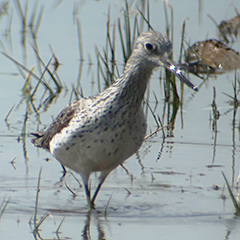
149, 46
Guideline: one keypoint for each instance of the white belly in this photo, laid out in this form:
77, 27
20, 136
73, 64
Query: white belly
99, 146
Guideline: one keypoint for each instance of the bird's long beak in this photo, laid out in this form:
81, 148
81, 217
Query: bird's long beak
171, 66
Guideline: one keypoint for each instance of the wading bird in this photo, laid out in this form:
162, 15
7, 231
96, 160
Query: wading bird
98, 133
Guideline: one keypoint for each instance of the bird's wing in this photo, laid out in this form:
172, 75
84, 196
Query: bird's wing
42, 139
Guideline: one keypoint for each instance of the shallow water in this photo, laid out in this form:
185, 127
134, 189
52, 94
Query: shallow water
171, 194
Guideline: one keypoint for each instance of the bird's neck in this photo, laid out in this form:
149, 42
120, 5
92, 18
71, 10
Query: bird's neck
133, 84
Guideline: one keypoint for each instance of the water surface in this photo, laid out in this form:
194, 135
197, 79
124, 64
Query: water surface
170, 192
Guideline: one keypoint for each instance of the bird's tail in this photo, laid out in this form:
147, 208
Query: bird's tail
38, 140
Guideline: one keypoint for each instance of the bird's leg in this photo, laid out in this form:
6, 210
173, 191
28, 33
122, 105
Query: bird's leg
96, 193
64, 171
101, 180
88, 195
85, 179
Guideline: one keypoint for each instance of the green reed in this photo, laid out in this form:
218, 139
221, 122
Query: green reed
236, 204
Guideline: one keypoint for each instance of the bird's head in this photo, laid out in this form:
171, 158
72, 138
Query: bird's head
153, 49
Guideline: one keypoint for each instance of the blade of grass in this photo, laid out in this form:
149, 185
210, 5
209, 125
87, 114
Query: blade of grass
219, 29
40, 79
55, 80
33, 16
38, 22
4, 206
127, 28
23, 16
200, 8
10, 111
143, 8
105, 212
146, 20
122, 41
234, 201
182, 39
37, 199
79, 33
28, 71
26, 87
58, 229
166, 19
